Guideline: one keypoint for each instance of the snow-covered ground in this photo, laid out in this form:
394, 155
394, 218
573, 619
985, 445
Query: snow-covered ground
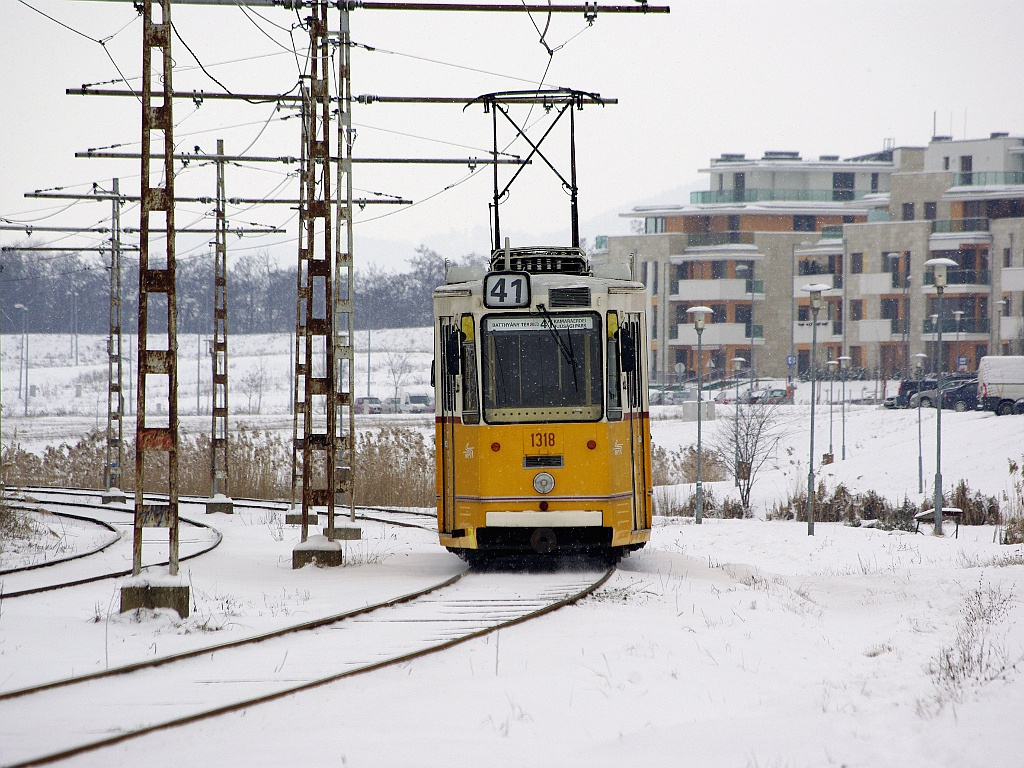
733, 643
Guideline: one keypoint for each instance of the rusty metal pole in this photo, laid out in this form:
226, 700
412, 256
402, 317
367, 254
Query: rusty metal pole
115, 393
344, 295
301, 297
156, 288
219, 352
318, 445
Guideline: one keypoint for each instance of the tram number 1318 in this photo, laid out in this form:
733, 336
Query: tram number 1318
506, 290
542, 439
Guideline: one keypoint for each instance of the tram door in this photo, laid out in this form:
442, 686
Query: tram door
633, 365
448, 389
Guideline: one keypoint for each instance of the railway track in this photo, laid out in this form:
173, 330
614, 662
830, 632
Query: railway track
102, 709
112, 558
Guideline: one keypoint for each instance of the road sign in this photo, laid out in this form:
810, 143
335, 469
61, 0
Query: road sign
961, 363
790, 360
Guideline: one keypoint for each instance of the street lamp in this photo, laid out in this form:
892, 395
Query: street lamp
939, 266
921, 357
24, 352
844, 359
737, 362
815, 290
831, 401
958, 314
935, 331
1002, 304
699, 315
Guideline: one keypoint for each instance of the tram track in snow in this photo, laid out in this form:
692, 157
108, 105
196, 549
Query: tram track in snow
85, 568
161, 693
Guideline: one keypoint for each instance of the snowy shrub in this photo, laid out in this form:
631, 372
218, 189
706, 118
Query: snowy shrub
395, 467
1013, 531
977, 655
13, 526
680, 466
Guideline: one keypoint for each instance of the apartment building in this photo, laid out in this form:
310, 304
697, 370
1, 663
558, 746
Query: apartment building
864, 226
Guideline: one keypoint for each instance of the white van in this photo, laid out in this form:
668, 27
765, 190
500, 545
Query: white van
407, 403
1000, 382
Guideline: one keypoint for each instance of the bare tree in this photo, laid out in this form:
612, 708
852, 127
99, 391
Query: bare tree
400, 369
253, 383
749, 437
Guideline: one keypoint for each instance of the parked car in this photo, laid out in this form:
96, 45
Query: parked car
908, 387
770, 396
421, 404
1001, 383
367, 405
406, 403
963, 397
926, 398
1018, 407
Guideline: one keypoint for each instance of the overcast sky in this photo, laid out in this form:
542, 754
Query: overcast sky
817, 77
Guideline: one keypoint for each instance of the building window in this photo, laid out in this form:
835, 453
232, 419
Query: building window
842, 186
874, 182
1007, 257
654, 276
718, 270
966, 164
718, 313
804, 224
908, 211
856, 263
654, 225
734, 223
654, 323
803, 313
945, 163
890, 309
686, 270
849, 219
930, 211
857, 309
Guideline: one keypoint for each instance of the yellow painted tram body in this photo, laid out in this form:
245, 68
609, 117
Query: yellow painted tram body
542, 426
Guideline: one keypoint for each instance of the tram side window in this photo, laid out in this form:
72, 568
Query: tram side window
470, 391
614, 409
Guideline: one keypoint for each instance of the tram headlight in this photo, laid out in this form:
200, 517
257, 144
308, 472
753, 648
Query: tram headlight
543, 482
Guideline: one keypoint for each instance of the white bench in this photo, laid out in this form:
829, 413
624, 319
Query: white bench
928, 516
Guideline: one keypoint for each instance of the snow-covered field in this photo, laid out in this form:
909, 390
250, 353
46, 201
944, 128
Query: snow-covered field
733, 643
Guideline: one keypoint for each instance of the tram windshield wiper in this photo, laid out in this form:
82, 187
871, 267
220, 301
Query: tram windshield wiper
568, 353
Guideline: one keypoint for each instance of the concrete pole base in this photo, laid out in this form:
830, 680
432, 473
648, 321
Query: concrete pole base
345, 533
317, 550
295, 518
113, 496
221, 504
152, 596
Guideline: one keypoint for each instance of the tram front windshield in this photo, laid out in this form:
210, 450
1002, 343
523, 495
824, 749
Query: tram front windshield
542, 368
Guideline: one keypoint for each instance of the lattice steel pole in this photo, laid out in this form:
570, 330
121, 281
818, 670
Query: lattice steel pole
316, 331
301, 297
115, 394
344, 293
219, 352
157, 296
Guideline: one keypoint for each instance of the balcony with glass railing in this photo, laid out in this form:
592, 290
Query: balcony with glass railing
731, 237
988, 179
722, 289
753, 195
961, 277
832, 232
949, 226
950, 325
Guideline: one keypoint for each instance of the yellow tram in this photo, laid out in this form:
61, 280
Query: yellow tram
542, 426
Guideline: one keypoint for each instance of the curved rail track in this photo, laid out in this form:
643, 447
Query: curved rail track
166, 692
116, 555
113, 560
